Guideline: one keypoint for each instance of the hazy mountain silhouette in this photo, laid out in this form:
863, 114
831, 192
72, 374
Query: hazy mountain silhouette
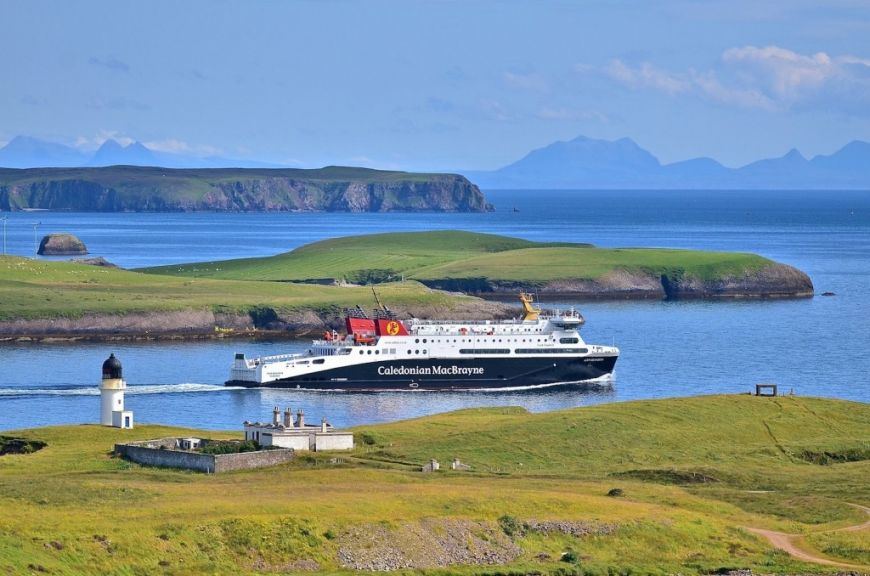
27, 152
585, 163
111, 153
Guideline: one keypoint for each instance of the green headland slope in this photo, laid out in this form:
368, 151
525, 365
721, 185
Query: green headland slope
145, 189
71, 300
490, 265
652, 487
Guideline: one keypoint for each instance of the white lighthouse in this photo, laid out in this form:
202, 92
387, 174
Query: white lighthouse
112, 388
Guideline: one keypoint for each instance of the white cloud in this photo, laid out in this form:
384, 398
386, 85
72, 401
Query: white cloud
368, 162
768, 78
495, 110
647, 76
709, 85
569, 114
532, 81
94, 142
783, 72
176, 146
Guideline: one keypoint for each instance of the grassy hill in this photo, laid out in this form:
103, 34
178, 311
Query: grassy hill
46, 289
694, 472
481, 263
359, 257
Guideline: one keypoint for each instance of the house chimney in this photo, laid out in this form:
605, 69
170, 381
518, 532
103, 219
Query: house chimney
288, 417
323, 425
300, 419
276, 416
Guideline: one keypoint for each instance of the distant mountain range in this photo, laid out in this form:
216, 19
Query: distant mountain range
586, 163
27, 152
581, 163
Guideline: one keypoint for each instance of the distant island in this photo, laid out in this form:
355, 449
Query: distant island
493, 266
149, 189
586, 163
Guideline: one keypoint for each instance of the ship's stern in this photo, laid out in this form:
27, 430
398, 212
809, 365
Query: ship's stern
244, 372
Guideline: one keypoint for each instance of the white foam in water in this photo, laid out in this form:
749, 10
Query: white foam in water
131, 390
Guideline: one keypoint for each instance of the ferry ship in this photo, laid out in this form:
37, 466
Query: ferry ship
382, 352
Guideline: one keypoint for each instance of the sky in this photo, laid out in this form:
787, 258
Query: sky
437, 85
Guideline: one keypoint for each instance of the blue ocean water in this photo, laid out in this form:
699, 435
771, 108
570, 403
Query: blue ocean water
818, 346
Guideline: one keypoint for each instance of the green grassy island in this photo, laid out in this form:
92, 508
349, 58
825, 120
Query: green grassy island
304, 291
646, 487
486, 264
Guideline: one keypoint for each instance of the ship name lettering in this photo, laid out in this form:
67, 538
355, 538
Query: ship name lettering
452, 370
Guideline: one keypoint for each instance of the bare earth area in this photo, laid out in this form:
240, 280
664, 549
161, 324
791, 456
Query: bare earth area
786, 542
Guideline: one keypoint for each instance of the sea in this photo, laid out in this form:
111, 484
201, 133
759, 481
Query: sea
810, 347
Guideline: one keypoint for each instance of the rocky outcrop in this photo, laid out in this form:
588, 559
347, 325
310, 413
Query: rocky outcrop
61, 245
138, 189
772, 281
98, 261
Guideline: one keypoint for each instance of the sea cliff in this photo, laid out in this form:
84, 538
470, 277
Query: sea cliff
771, 281
143, 189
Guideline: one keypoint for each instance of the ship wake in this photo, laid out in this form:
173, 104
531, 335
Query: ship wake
183, 388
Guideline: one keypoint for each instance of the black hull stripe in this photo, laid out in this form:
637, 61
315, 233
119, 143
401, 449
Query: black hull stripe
449, 374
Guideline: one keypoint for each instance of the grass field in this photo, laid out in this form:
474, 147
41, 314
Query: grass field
458, 254
43, 289
70, 508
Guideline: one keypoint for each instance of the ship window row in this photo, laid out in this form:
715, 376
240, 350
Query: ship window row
484, 351
551, 350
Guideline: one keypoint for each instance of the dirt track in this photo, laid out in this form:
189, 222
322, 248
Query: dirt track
786, 543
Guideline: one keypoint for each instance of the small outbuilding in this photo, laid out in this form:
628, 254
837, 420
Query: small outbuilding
296, 434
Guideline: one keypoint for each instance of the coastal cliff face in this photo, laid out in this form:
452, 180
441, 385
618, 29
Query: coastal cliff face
133, 189
196, 324
772, 281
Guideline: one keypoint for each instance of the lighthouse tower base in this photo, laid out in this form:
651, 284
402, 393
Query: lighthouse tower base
122, 419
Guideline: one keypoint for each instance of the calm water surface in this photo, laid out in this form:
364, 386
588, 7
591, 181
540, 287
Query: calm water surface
818, 346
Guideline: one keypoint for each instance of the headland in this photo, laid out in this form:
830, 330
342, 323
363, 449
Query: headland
647, 487
147, 189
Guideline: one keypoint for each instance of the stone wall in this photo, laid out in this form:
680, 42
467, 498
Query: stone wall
161, 452
167, 457
246, 460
